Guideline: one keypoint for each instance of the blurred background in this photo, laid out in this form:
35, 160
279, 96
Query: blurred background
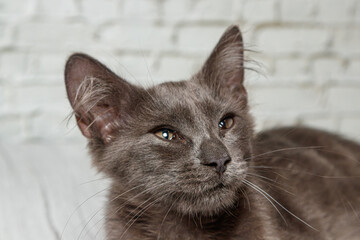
305, 53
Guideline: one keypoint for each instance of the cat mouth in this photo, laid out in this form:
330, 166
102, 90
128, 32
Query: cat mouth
215, 188
206, 189
223, 184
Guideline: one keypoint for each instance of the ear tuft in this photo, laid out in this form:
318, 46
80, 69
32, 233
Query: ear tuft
223, 71
99, 97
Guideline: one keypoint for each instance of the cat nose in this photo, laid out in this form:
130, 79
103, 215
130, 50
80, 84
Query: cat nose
219, 164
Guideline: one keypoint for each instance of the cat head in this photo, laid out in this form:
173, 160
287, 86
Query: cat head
184, 142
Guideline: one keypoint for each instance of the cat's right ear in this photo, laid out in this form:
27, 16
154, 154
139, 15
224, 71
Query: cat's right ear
100, 98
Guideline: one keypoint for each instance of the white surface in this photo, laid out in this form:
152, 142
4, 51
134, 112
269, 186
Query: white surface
49, 191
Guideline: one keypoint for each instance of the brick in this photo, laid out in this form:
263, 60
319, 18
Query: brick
282, 100
175, 68
259, 11
34, 79
357, 12
282, 81
290, 67
16, 8
212, 10
32, 99
13, 63
292, 40
46, 64
93, 10
335, 11
149, 9
7, 97
6, 35
342, 99
298, 10
353, 69
55, 8
346, 41
189, 10
132, 36
136, 69
350, 127
11, 129
199, 39
2, 99
177, 10
327, 69
63, 35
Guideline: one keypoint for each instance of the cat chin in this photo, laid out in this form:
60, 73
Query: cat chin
208, 204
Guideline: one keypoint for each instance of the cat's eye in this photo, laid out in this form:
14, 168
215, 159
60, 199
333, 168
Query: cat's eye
226, 123
166, 134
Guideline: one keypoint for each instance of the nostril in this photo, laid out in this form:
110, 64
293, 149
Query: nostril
227, 161
212, 164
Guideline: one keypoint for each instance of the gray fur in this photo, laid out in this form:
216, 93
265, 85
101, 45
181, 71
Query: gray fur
290, 183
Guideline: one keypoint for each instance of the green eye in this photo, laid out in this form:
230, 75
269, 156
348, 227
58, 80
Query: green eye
226, 123
166, 134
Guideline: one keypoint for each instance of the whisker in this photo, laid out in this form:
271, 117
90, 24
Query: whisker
162, 222
124, 203
305, 172
248, 183
268, 171
307, 224
246, 198
77, 208
94, 180
282, 150
141, 212
100, 209
263, 177
275, 184
353, 209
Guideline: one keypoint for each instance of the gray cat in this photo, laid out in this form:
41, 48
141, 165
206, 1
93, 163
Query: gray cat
185, 162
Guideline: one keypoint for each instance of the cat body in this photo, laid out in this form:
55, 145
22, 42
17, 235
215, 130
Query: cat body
185, 162
313, 174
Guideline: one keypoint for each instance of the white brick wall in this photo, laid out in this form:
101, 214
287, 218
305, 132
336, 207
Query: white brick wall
308, 55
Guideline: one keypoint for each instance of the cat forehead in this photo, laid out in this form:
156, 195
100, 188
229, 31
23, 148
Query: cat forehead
186, 94
184, 91
183, 101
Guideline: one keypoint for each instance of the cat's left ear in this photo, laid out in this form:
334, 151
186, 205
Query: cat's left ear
223, 71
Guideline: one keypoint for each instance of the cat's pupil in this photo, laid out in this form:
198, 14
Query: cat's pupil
165, 134
222, 124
